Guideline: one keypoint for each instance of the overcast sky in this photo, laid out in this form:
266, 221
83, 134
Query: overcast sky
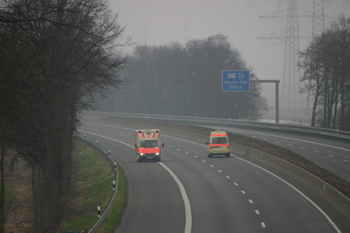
159, 22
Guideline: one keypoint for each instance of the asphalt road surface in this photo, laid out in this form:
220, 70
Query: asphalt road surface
332, 155
189, 192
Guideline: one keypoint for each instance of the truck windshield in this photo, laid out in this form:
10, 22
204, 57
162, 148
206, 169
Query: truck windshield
219, 140
148, 143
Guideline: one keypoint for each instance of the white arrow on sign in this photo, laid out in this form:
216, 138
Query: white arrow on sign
231, 75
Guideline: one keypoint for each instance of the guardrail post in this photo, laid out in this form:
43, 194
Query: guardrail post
97, 143
113, 184
98, 211
115, 165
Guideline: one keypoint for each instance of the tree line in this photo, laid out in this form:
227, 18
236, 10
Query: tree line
55, 57
180, 79
326, 77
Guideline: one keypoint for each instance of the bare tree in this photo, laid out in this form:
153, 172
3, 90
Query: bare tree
68, 51
186, 80
326, 72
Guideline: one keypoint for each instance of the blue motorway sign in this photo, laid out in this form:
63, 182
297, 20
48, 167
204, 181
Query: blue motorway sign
235, 80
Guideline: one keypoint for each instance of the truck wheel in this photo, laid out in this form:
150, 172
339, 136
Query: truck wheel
228, 155
138, 158
210, 155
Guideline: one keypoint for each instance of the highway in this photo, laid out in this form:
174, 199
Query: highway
332, 155
189, 192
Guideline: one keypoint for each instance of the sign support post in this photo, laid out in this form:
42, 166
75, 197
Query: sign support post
239, 81
277, 118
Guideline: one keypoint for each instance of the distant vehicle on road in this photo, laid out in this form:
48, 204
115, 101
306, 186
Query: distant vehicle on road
218, 144
148, 145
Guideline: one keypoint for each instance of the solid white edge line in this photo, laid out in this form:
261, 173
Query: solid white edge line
301, 140
298, 191
188, 224
188, 213
107, 138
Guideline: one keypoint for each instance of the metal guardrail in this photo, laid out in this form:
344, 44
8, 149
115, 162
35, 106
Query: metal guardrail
287, 128
109, 206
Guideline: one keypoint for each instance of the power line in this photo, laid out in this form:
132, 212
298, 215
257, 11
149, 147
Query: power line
291, 73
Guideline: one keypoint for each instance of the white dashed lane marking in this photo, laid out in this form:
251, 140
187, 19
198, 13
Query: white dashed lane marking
236, 184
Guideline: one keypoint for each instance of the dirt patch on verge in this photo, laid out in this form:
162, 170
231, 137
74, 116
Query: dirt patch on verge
20, 217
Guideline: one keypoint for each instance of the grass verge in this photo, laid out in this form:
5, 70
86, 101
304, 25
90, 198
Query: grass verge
9, 197
114, 217
92, 186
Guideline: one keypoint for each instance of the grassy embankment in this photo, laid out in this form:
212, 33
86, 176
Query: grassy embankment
92, 186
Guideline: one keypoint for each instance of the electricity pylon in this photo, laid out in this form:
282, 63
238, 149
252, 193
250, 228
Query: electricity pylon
317, 29
291, 73
317, 18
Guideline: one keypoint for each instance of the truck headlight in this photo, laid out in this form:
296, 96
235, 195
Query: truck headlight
157, 153
141, 154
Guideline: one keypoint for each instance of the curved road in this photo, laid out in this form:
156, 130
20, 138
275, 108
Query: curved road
223, 194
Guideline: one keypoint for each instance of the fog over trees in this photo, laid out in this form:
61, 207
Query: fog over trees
326, 66
55, 56
58, 56
186, 80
